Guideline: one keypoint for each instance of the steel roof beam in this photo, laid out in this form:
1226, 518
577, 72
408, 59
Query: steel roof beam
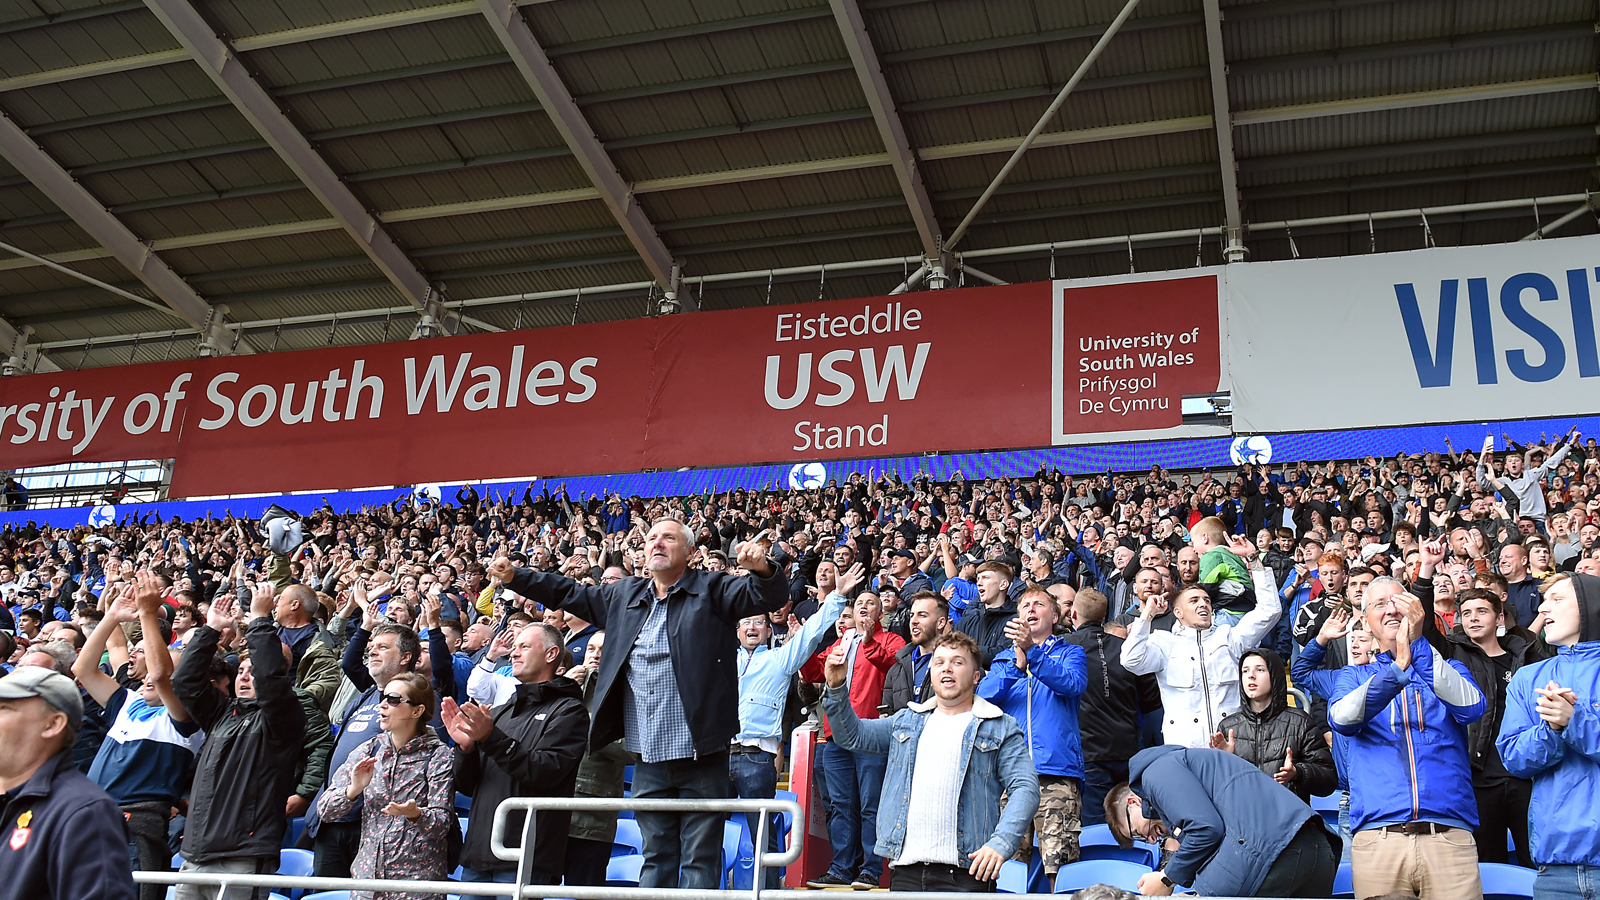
225, 68
1298, 62
1223, 119
951, 151
902, 156
1401, 218
1415, 99
519, 41
53, 181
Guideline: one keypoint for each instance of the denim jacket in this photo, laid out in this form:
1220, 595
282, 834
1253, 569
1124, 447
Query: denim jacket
995, 762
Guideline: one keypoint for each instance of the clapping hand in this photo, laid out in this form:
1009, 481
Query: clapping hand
360, 777
1556, 704
467, 724
409, 809
1288, 773
1218, 742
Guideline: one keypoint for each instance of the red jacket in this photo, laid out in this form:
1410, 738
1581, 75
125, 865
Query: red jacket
874, 659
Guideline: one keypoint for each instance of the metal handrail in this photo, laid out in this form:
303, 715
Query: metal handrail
758, 841
497, 845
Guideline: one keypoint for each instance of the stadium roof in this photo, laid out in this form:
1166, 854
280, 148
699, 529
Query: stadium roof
325, 169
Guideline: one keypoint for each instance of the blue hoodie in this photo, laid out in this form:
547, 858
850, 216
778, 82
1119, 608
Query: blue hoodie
1056, 676
1563, 819
1408, 739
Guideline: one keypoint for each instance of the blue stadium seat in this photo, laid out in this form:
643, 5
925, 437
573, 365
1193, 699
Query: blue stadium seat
1097, 842
1328, 808
296, 864
1343, 886
463, 802
628, 840
730, 850
291, 835
1115, 872
1505, 882
623, 871
1013, 877
328, 895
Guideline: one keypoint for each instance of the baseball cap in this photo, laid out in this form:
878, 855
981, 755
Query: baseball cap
51, 687
906, 554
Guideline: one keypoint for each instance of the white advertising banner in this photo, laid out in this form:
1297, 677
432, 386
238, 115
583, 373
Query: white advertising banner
1453, 334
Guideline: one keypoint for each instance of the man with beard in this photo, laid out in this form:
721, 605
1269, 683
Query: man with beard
907, 680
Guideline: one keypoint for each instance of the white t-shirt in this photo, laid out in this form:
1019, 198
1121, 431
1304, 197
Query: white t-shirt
935, 792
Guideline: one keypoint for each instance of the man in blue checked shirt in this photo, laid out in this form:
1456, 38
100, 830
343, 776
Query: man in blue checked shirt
1039, 684
764, 674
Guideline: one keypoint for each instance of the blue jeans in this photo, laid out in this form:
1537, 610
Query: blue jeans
1344, 824
1567, 883
1099, 777
691, 842
854, 782
755, 777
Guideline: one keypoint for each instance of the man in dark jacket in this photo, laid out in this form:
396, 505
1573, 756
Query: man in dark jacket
530, 747
64, 838
1111, 706
673, 694
907, 681
1285, 743
986, 622
1492, 659
245, 772
1239, 834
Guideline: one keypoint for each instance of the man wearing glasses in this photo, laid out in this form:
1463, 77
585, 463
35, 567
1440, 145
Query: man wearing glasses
1240, 834
1412, 811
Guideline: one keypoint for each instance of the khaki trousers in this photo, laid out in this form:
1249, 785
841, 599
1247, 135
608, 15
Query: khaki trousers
1441, 866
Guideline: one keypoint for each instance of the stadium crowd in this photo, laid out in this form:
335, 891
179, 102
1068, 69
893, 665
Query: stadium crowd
1186, 659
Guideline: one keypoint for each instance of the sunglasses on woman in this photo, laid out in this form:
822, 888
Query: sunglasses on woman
395, 700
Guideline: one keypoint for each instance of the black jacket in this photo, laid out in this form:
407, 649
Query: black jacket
1482, 732
702, 611
988, 627
1108, 710
74, 843
1264, 739
898, 690
533, 751
245, 771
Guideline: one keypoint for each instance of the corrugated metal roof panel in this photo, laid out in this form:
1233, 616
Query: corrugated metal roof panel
1426, 123
743, 151
225, 215
82, 42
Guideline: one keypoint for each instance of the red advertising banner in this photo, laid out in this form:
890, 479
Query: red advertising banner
1126, 354
970, 369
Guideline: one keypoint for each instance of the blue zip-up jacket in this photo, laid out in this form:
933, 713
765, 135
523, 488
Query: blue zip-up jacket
994, 761
1408, 739
1563, 819
1055, 678
1306, 671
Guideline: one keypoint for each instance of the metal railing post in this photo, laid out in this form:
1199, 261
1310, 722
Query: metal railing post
758, 846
